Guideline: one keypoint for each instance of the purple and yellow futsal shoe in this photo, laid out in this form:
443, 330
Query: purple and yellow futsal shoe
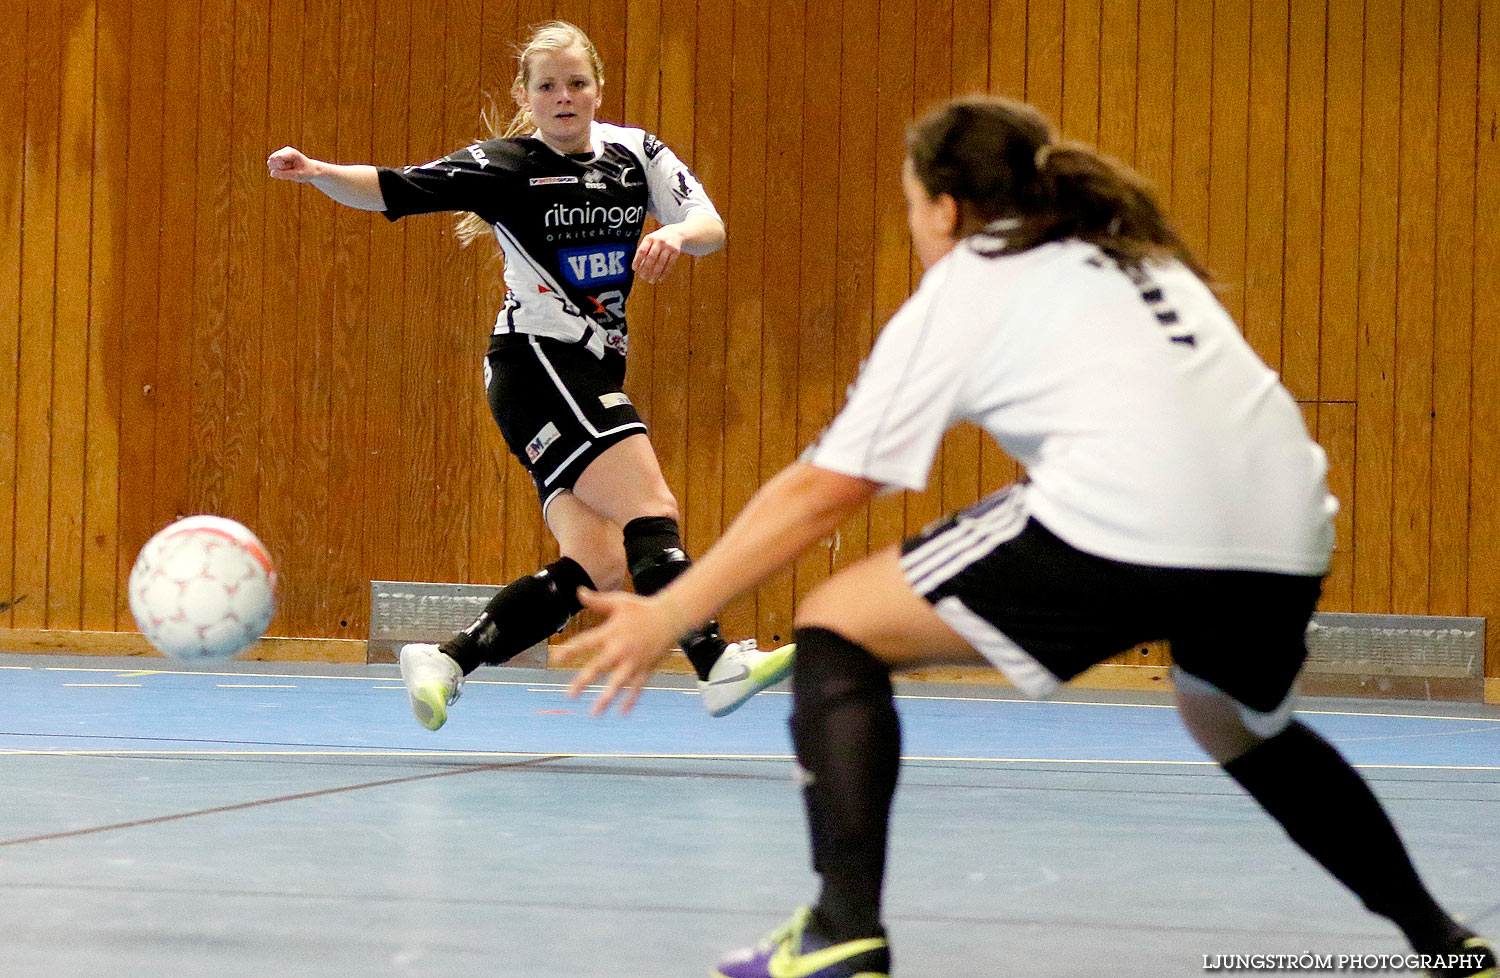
793, 950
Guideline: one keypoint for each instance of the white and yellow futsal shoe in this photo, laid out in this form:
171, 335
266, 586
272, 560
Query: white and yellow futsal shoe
741, 672
433, 681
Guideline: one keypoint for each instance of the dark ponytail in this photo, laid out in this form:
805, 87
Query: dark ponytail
999, 161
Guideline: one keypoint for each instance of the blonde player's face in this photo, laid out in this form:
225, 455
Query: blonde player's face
932, 221
563, 96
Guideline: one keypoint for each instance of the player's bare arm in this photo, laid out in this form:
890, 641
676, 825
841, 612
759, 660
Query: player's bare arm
801, 505
353, 185
699, 234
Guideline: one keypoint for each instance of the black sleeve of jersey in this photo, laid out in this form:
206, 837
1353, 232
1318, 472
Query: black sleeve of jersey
476, 178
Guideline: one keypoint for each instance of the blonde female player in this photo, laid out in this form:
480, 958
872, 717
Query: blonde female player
1173, 493
567, 197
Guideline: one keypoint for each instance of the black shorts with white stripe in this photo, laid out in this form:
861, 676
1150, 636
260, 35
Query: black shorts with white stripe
1043, 611
558, 406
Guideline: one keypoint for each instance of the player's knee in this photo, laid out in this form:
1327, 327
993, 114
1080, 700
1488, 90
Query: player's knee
1224, 728
605, 566
654, 556
830, 605
661, 504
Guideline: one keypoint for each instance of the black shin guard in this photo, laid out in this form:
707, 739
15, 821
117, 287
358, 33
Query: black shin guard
1304, 783
526, 611
848, 741
654, 554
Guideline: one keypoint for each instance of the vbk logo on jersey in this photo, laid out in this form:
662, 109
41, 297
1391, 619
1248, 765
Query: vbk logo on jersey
595, 266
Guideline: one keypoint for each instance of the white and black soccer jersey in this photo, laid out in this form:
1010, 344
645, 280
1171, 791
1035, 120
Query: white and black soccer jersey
568, 225
1150, 431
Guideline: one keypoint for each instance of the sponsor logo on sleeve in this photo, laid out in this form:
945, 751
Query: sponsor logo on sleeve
477, 151
652, 146
615, 399
543, 439
587, 267
550, 181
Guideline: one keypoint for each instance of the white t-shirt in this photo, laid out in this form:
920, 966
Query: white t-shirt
1150, 431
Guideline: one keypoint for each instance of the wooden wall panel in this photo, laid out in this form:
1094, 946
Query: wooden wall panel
1375, 344
670, 339
1156, 69
855, 325
423, 382
178, 339
1344, 106
1453, 306
1412, 458
964, 451
1046, 25
1264, 217
816, 319
459, 327
106, 235
754, 233
349, 391
1118, 61
246, 266
1007, 38
38, 310
707, 378
1192, 118
932, 73
1229, 155
70, 334
1301, 248
895, 108
787, 209
277, 420
1079, 116
140, 285
232, 344
385, 473
1484, 472
12, 218
213, 183
1335, 430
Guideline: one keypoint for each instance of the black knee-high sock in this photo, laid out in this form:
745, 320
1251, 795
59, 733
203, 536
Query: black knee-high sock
1304, 783
848, 740
654, 555
524, 612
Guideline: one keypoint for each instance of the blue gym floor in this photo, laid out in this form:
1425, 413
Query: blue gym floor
270, 820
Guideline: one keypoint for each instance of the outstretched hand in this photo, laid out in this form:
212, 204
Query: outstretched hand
634, 637
288, 163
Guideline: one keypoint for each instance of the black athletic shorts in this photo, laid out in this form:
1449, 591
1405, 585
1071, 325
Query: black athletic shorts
1043, 611
558, 406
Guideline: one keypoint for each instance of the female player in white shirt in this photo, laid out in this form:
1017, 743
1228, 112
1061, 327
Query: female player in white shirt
567, 198
1172, 494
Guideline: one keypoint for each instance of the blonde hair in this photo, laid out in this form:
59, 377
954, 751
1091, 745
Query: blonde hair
549, 38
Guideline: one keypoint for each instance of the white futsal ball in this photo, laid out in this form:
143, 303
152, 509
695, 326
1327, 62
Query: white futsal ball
203, 588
